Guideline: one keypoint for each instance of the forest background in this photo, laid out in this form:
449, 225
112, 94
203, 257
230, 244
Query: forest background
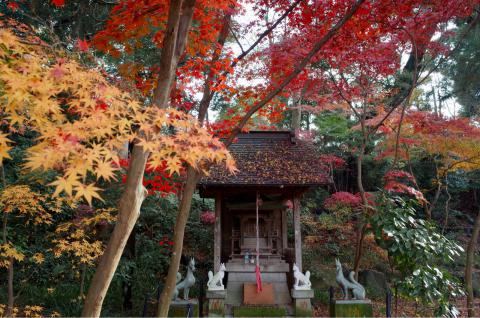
388, 93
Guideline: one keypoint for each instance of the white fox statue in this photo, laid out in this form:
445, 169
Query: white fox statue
302, 281
215, 282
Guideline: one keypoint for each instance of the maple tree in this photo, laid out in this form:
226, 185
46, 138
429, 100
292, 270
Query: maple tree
81, 133
20, 202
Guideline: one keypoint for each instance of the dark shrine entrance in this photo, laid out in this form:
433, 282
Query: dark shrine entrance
278, 169
235, 242
240, 217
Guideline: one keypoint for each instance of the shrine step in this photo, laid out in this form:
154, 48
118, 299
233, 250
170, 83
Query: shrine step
274, 267
245, 277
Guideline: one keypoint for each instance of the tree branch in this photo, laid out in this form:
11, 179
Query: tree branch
298, 69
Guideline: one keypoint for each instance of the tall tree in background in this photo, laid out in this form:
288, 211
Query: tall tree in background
463, 69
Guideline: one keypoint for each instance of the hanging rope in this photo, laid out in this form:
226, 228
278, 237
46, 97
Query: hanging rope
257, 267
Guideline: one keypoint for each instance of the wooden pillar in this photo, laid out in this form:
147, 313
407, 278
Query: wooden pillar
298, 233
217, 231
284, 230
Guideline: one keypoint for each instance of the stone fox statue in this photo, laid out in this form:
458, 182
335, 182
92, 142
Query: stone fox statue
215, 282
187, 283
357, 290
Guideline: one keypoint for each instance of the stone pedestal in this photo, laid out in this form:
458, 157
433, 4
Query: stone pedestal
302, 302
216, 303
184, 308
351, 308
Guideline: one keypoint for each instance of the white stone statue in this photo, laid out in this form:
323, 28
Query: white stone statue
349, 284
187, 283
215, 282
302, 281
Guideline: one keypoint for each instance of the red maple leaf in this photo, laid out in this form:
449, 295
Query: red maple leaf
82, 45
58, 3
13, 6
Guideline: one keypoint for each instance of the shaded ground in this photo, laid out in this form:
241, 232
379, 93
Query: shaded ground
405, 309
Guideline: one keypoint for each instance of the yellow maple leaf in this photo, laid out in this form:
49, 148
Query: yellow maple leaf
174, 165
65, 184
105, 170
88, 192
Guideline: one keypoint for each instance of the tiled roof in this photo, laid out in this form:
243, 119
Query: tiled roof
270, 158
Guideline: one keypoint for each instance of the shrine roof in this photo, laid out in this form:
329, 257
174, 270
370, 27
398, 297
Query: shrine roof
274, 158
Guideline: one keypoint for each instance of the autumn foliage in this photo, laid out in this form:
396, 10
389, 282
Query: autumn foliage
83, 121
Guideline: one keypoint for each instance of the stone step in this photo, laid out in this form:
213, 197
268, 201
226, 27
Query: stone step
276, 267
238, 287
251, 277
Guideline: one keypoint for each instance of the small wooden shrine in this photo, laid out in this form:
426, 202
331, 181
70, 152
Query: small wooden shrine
275, 170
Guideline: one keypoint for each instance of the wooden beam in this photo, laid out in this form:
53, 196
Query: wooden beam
217, 231
297, 229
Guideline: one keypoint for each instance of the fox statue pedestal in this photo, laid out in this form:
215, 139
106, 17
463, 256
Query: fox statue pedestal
216, 303
216, 293
302, 302
358, 306
351, 308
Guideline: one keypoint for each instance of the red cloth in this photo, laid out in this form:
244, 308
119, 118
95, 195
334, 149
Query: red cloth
259, 278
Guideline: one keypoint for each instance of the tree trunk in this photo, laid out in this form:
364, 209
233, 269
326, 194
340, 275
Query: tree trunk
82, 280
184, 211
128, 212
11, 297
472, 244
361, 190
179, 21
296, 118
127, 284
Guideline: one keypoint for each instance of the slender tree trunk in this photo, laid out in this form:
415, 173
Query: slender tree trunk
361, 190
11, 297
128, 213
184, 211
296, 117
178, 24
82, 281
472, 244
127, 285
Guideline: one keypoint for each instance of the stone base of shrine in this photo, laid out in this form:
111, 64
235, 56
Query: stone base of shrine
216, 303
302, 302
351, 308
184, 308
240, 275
